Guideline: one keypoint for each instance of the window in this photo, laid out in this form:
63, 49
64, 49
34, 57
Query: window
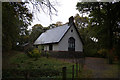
36, 46
71, 30
71, 44
50, 47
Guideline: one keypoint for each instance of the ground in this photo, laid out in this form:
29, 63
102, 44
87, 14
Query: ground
100, 68
93, 67
17, 65
97, 68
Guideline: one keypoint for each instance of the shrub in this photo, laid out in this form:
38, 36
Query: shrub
29, 50
35, 53
91, 52
103, 52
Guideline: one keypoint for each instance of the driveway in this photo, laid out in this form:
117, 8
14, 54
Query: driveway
100, 68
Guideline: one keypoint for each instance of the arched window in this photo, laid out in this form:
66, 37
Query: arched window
71, 44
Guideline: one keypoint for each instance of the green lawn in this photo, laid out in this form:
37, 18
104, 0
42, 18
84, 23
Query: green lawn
19, 64
24, 62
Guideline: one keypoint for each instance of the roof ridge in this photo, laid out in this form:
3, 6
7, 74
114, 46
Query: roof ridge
52, 35
58, 27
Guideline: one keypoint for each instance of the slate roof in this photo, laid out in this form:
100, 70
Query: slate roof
53, 35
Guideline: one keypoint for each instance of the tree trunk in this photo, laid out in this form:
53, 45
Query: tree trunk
109, 25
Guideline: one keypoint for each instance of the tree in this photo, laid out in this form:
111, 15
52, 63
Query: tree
104, 22
15, 19
37, 30
104, 17
47, 6
59, 23
81, 22
54, 25
13, 24
83, 28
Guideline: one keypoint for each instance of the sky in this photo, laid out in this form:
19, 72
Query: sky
65, 8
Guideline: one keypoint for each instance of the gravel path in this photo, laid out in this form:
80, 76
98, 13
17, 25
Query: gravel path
100, 68
97, 68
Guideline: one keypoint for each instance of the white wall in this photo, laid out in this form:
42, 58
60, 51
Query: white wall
55, 47
46, 47
63, 44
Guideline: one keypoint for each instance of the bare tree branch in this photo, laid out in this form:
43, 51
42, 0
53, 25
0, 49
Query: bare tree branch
45, 5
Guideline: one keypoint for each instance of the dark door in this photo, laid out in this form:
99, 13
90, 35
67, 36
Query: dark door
50, 47
71, 44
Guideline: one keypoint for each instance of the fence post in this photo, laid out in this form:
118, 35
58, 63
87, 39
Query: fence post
76, 69
27, 75
79, 67
64, 73
73, 72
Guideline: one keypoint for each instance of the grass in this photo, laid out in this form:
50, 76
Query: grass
24, 62
19, 64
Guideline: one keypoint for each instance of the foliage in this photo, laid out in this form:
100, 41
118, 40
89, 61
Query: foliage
35, 53
90, 52
104, 22
81, 22
54, 25
19, 64
83, 28
23, 39
37, 30
103, 52
63, 55
59, 23
14, 24
16, 16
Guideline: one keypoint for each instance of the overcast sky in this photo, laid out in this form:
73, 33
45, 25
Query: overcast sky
66, 8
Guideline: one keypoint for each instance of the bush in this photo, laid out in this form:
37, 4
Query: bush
103, 52
90, 52
30, 49
11, 74
35, 53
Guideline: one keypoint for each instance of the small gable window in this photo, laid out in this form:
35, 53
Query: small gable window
72, 30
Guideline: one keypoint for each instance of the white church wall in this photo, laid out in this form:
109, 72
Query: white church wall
63, 44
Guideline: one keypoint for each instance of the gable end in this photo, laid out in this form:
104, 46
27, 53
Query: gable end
76, 30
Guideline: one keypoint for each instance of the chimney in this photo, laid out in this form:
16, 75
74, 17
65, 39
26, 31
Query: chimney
71, 20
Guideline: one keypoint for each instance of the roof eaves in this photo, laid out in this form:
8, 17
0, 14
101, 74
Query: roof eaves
48, 43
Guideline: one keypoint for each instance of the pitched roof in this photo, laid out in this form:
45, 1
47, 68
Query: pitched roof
53, 35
